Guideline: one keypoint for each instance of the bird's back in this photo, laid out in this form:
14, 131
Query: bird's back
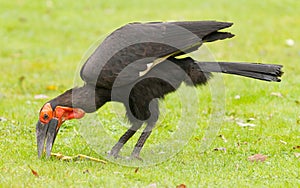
138, 44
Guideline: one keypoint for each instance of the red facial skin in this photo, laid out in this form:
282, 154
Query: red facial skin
61, 113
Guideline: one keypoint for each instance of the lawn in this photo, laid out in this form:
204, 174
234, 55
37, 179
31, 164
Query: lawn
44, 43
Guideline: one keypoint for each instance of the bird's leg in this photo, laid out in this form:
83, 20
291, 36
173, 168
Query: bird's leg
124, 138
141, 141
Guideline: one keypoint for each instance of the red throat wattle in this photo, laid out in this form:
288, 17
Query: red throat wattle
61, 113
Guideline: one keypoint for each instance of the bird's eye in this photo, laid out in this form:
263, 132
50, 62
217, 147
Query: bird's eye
46, 113
46, 116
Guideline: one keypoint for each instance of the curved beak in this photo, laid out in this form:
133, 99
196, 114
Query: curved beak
46, 133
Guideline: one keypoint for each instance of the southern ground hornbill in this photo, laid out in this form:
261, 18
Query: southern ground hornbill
138, 64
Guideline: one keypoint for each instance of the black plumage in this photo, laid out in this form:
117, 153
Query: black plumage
138, 64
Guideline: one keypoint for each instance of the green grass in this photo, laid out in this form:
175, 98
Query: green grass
43, 44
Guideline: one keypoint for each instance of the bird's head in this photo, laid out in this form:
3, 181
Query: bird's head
50, 119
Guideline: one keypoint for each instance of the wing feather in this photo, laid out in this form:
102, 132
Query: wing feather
126, 52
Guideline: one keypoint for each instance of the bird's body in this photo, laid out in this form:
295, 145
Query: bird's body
137, 65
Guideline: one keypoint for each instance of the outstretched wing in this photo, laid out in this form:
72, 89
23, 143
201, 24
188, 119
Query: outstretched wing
130, 51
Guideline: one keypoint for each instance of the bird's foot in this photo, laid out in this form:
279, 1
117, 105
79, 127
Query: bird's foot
114, 154
117, 156
133, 157
136, 155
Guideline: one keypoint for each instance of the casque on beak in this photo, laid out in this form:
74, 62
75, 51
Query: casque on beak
46, 133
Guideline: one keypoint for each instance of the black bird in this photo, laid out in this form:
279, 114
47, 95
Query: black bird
136, 65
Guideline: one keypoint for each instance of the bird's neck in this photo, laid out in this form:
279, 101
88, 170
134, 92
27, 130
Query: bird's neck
88, 98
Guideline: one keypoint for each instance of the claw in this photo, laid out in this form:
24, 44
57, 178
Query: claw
114, 154
133, 157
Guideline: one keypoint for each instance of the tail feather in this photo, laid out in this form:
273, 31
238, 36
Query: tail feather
217, 36
266, 72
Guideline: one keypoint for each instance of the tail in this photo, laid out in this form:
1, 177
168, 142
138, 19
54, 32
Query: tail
266, 72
